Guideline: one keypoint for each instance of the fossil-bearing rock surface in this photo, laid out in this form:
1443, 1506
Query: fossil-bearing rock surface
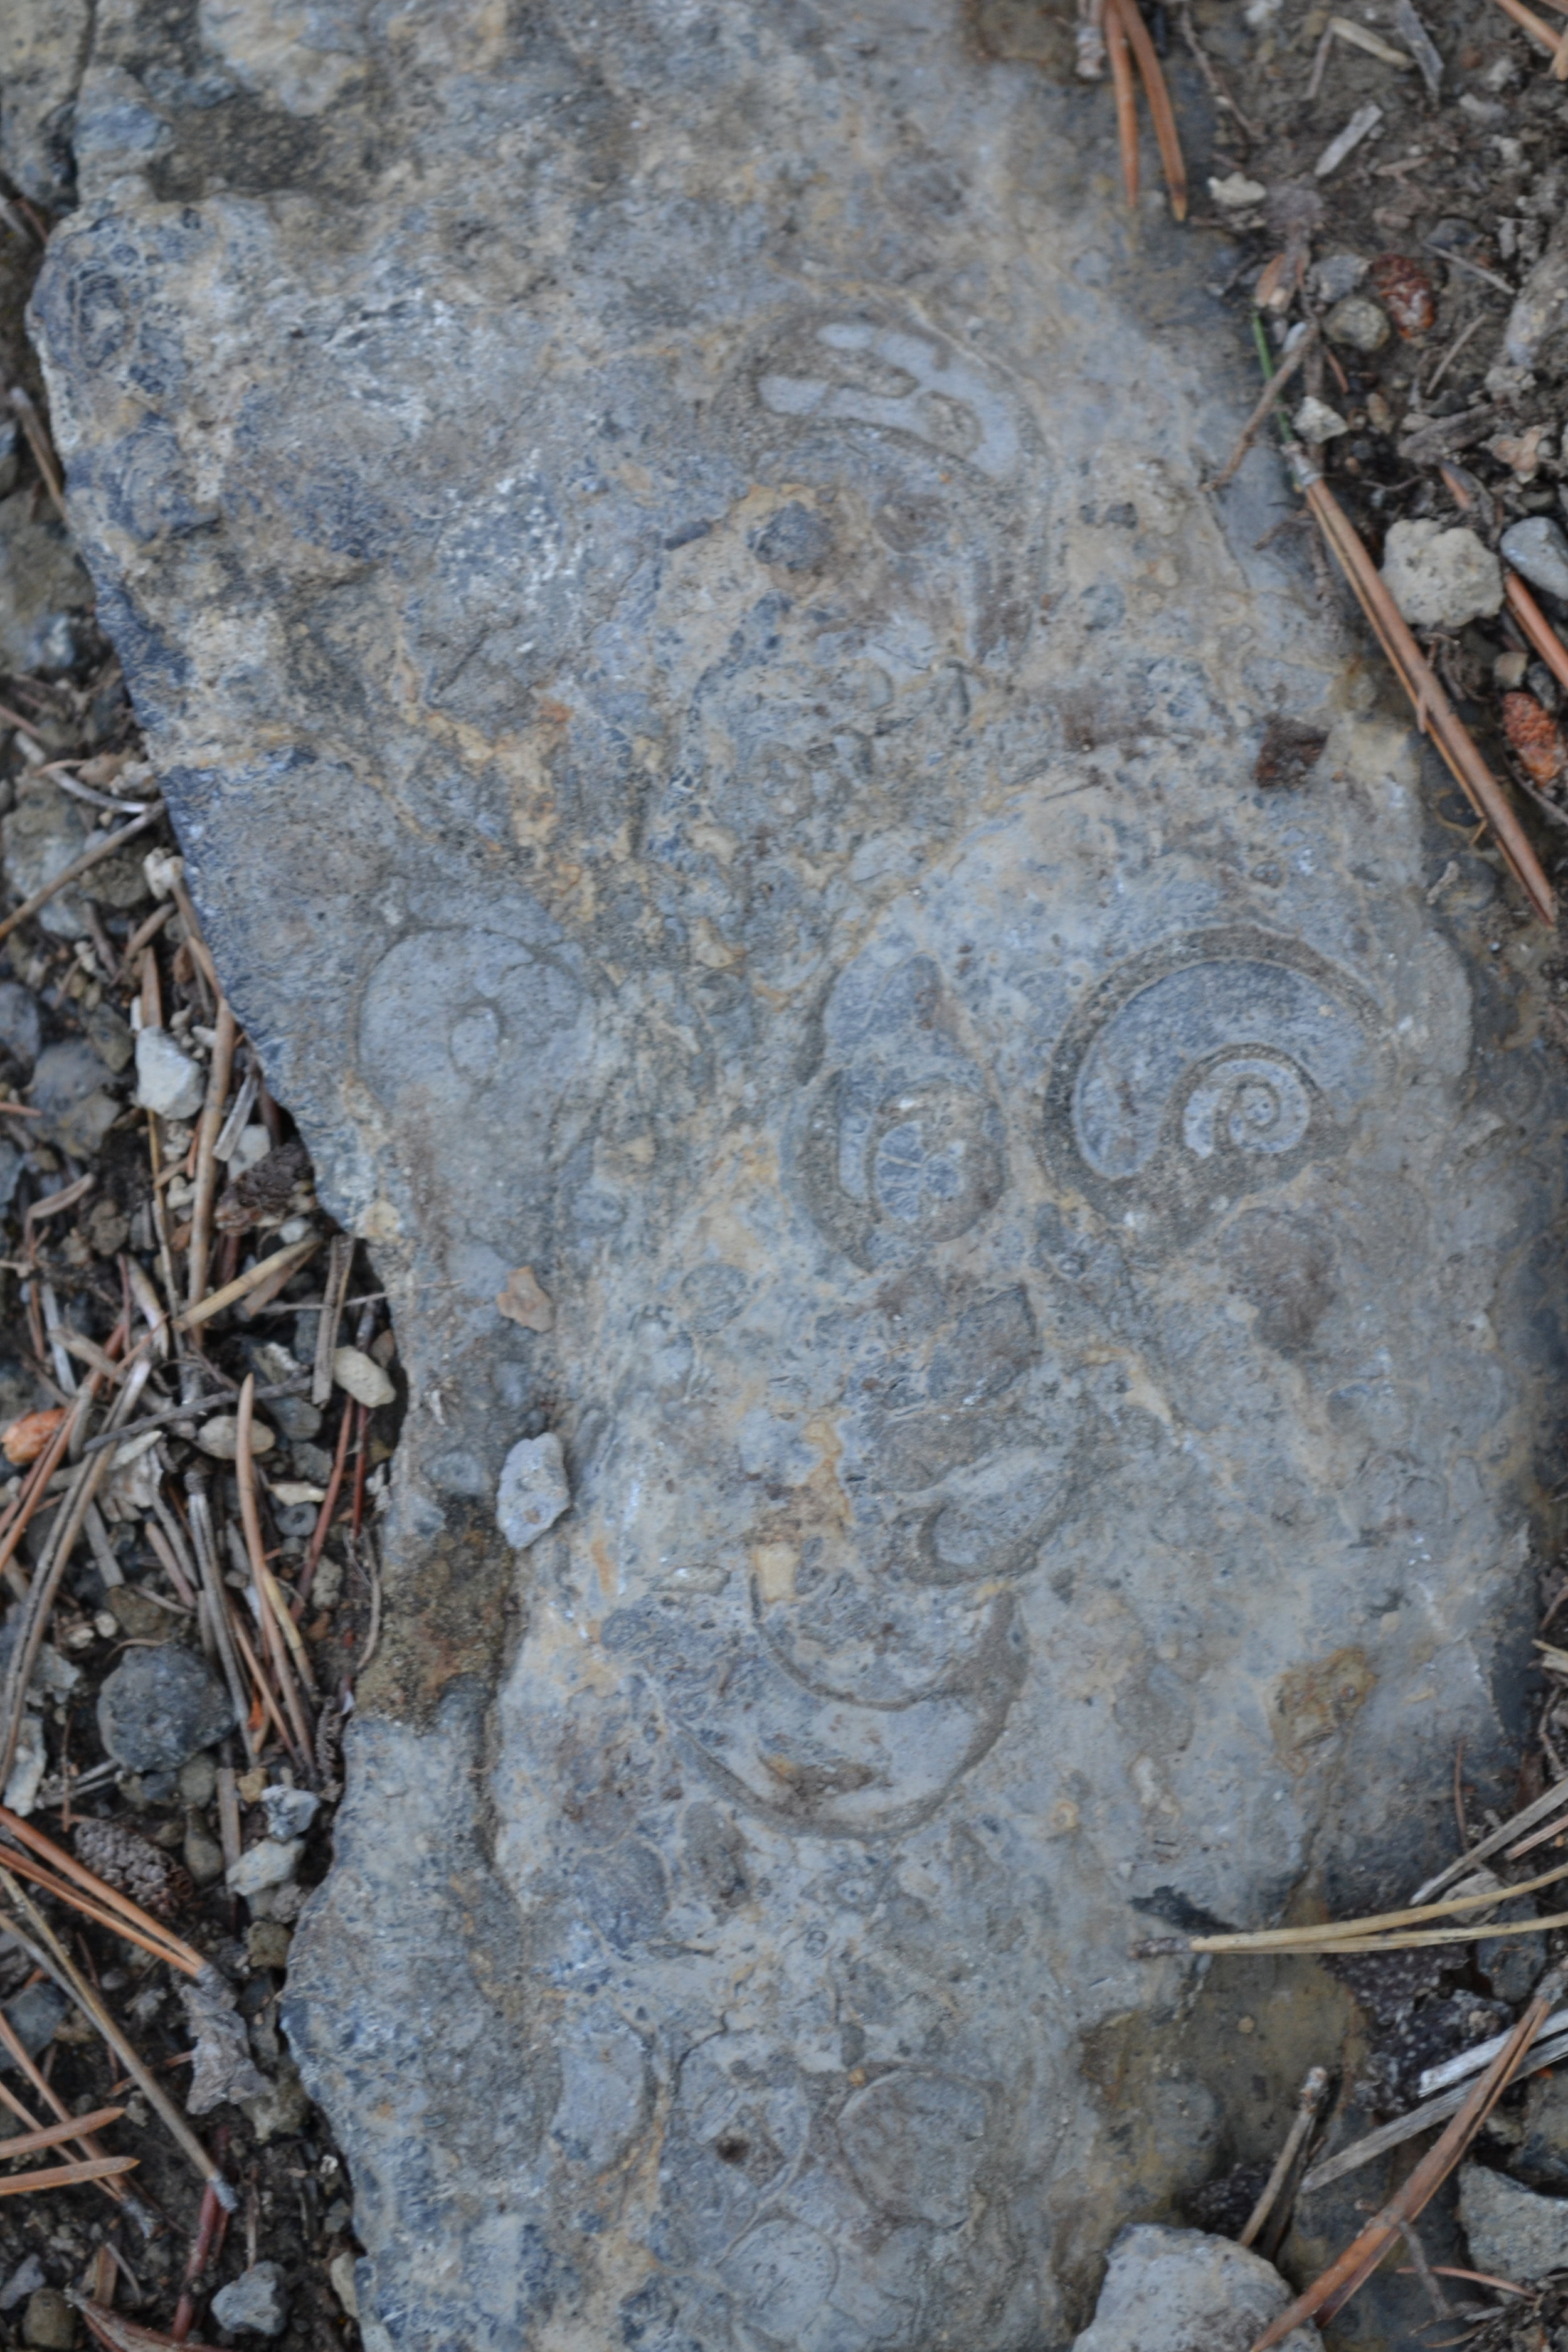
663, 556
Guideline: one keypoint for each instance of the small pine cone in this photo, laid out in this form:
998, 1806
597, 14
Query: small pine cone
1405, 292
1534, 738
124, 1859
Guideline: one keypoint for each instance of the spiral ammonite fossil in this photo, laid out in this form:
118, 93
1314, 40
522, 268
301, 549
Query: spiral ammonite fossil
1210, 1067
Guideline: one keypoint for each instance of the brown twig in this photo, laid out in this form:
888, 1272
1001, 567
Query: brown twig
1331, 2292
1126, 98
78, 867
1441, 2307
211, 2224
176, 1952
117, 2334
1528, 22
1264, 407
1291, 2158
1551, 1801
1160, 112
51, 1569
21, 2058
278, 1628
225, 1629
32, 425
1434, 715
219, 1078
192, 1411
324, 1516
39, 1941
1418, 2119
340, 1263
65, 2176
278, 1268
1543, 636
1217, 90
32, 2143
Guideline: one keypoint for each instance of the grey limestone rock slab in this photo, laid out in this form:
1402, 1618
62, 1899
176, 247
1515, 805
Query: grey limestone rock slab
713, 725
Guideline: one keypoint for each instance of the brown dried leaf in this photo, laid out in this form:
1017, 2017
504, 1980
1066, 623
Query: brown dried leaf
25, 1439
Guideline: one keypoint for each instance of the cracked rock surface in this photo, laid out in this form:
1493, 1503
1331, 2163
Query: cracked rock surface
713, 727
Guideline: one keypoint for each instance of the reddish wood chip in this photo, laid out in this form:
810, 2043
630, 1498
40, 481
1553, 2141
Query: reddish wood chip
1534, 738
1405, 292
25, 1439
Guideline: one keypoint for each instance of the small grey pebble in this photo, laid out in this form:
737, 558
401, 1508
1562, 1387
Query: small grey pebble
198, 1781
256, 2302
289, 1811
33, 2015
1538, 551
158, 1707
21, 1028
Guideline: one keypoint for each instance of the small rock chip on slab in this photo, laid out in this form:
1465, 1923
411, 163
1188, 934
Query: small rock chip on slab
271, 1863
159, 1706
1440, 578
1183, 2291
362, 1377
1538, 551
257, 2303
533, 1491
521, 1300
169, 1082
220, 1437
1513, 2234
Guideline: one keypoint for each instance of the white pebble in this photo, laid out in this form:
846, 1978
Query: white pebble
220, 1437
169, 1082
1440, 579
271, 1863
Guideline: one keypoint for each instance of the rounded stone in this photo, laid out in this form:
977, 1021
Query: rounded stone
1357, 323
48, 2321
169, 1082
1440, 579
159, 1707
1537, 548
255, 2303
